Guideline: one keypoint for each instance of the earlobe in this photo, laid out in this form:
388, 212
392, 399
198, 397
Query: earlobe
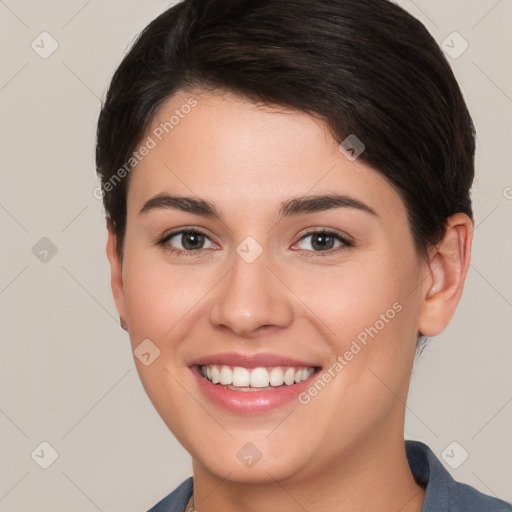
448, 264
116, 273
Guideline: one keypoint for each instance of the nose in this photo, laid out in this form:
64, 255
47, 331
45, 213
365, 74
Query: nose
251, 299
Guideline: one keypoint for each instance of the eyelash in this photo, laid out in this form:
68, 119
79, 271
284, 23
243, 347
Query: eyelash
189, 253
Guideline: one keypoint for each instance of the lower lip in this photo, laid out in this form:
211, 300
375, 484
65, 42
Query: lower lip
250, 402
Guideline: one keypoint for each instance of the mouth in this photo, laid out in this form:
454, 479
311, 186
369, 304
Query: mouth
239, 378
251, 385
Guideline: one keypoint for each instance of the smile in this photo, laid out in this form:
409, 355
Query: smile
239, 378
252, 391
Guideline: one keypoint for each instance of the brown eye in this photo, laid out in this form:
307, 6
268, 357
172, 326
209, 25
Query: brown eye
185, 241
323, 241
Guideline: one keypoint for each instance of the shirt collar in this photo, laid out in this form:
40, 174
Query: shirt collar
441, 489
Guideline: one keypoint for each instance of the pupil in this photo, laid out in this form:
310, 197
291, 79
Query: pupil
193, 237
321, 241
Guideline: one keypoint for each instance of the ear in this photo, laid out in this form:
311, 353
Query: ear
116, 273
448, 264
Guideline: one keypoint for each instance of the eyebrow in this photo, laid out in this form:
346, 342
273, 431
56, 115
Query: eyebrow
289, 208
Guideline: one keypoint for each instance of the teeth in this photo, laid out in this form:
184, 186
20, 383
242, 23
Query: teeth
226, 375
260, 378
241, 377
215, 374
256, 377
289, 376
276, 377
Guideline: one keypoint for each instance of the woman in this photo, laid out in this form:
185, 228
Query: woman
286, 185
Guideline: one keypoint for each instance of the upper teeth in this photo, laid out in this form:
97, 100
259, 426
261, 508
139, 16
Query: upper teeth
256, 377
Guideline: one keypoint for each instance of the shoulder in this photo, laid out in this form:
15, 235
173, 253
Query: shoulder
443, 493
177, 500
471, 499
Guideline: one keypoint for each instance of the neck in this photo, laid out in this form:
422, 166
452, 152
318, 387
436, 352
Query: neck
375, 477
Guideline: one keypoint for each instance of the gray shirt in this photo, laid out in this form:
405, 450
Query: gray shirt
443, 494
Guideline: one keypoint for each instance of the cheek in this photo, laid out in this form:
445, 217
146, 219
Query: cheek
369, 317
158, 301
350, 299
159, 295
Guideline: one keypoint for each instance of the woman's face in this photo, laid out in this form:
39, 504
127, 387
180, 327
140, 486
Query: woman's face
264, 278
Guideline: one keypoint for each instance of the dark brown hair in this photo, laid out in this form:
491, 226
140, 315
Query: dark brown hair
365, 67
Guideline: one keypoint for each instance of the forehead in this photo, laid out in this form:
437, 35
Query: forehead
232, 150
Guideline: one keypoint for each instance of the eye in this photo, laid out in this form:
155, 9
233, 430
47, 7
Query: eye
185, 242
323, 241
190, 242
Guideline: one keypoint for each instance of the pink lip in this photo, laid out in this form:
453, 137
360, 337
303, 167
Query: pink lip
251, 360
251, 402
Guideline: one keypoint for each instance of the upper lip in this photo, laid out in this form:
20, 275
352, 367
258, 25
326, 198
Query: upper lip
251, 360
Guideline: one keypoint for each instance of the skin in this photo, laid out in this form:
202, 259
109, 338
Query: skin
291, 300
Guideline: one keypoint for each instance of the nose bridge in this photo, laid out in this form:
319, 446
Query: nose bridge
250, 296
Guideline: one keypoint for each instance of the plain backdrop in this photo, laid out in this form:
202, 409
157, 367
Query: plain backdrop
67, 375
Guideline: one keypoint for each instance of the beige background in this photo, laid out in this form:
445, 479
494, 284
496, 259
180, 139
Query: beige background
67, 375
